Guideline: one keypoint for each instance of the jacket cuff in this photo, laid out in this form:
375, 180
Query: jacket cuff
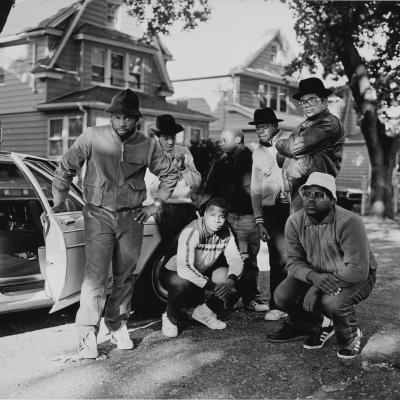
210, 285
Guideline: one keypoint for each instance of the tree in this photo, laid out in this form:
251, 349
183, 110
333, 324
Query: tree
337, 34
156, 16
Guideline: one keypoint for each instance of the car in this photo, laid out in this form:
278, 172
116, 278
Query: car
42, 254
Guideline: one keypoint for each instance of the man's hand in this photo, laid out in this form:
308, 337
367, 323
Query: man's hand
263, 232
142, 214
223, 289
59, 208
325, 281
311, 298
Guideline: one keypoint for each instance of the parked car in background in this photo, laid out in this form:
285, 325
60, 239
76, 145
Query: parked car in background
42, 255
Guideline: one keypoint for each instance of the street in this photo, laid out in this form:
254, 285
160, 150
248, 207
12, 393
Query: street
38, 353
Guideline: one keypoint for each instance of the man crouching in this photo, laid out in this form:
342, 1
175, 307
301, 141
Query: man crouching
195, 270
330, 270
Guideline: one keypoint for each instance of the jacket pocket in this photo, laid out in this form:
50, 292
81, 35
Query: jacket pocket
136, 194
93, 193
133, 163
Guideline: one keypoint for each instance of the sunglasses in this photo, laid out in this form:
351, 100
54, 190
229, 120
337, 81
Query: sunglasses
308, 194
313, 101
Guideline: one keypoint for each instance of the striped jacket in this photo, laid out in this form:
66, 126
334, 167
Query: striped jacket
198, 250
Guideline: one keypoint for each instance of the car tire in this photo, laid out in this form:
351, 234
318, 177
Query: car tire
149, 294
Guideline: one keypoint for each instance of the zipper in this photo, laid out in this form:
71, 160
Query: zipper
122, 152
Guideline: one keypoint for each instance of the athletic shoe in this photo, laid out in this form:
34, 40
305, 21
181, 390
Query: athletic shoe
318, 340
205, 316
121, 338
287, 333
275, 315
257, 305
88, 346
168, 328
353, 349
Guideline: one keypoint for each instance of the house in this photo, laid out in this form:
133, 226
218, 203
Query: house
61, 61
258, 81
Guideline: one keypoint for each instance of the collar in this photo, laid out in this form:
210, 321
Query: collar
329, 218
204, 229
320, 115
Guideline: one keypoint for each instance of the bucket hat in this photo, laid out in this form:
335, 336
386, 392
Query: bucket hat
264, 116
125, 102
312, 85
323, 180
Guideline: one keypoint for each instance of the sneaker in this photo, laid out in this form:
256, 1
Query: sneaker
275, 315
257, 305
287, 333
88, 346
353, 349
318, 340
168, 328
121, 338
204, 315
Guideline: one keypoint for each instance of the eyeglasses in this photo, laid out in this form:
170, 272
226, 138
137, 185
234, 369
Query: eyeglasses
308, 194
312, 101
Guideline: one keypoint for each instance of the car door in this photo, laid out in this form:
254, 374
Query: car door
63, 261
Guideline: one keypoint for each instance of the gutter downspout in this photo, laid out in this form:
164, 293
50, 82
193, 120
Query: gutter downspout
68, 34
85, 116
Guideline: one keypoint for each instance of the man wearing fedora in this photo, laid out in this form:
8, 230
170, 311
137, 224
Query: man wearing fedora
270, 204
229, 178
330, 270
116, 159
315, 145
179, 210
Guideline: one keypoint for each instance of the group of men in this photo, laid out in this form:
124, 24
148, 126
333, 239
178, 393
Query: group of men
282, 193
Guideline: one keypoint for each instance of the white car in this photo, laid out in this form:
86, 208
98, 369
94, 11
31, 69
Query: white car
42, 254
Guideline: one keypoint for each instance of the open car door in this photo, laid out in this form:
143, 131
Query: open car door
63, 260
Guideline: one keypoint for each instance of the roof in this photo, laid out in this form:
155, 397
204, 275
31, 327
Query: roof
100, 95
28, 15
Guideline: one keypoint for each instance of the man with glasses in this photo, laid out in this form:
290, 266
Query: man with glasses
270, 204
315, 145
330, 270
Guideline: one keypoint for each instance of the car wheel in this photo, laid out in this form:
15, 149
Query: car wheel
149, 294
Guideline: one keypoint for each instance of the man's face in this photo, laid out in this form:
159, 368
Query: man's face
316, 201
123, 125
311, 104
167, 142
266, 132
214, 218
228, 142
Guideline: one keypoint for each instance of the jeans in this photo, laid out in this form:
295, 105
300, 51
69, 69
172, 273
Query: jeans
185, 294
112, 238
275, 220
245, 229
289, 297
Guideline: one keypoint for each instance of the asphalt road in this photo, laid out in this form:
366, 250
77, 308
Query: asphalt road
37, 354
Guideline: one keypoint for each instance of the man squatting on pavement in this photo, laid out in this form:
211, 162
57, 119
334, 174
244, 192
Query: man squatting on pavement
114, 189
330, 270
196, 272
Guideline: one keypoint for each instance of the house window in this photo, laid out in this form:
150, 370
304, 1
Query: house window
283, 92
135, 71
273, 51
62, 134
273, 97
195, 134
98, 65
113, 13
117, 69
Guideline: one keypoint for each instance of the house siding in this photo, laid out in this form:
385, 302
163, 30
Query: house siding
95, 13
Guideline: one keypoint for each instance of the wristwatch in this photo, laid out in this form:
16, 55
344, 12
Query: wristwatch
157, 203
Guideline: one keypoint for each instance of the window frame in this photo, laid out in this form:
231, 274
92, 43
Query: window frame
116, 23
267, 94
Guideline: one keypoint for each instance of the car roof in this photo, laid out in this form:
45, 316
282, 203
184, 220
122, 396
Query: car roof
5, 155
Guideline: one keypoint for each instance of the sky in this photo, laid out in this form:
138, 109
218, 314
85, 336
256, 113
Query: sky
233, 32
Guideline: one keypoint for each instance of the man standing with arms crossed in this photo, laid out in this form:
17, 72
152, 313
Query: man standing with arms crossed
315, 145
116, 159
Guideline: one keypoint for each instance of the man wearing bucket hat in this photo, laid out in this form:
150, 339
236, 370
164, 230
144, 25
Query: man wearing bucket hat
270, 204
315, 145
179, 210
116, 159
330, 270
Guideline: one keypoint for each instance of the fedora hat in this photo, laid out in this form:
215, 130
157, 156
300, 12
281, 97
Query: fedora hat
125, 102
312, 85
322, 180
264, 116
166, 125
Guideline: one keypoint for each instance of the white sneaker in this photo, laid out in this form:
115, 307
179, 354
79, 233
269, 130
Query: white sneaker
88, 346
204, 315
168, 328
275, 315
121, 338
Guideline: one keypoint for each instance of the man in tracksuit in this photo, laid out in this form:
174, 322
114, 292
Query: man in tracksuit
116, 159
